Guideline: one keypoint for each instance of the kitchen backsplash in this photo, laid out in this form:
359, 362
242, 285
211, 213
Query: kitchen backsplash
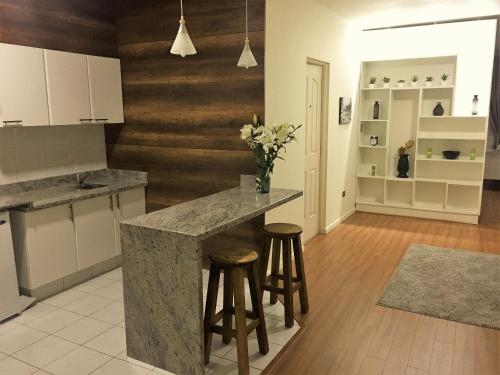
30, 153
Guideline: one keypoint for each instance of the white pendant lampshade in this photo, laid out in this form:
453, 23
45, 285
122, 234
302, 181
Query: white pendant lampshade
183, 45
247, 59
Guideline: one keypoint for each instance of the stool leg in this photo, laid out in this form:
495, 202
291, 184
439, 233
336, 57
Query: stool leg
240, 318
213, 288
254, 284
301, 275
227, 320
264, 262
275, 268
287, 282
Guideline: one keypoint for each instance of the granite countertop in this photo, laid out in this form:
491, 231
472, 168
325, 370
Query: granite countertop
212, 214
54, 191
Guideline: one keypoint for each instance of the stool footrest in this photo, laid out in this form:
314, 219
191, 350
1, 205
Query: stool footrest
220, 315
215, 328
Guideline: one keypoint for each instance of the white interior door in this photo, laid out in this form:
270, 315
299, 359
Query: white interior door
313, 151
23, 92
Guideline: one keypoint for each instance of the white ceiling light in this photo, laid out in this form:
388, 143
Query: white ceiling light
183, 45
247, 60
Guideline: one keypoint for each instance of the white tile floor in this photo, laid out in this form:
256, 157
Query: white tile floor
81, 331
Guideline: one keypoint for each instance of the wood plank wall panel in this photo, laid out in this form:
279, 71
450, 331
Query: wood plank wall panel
80, 26
182, 116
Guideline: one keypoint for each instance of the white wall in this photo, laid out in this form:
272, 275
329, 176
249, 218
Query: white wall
472, 42
296, 30
31, 153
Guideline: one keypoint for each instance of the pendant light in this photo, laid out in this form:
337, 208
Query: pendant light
182, 44
247, 60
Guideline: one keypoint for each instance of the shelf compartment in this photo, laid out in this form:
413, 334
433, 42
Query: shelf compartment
369, 156
367, 100
430, 97
463, 199
370, 191
398, 194
369, 128
450, 171
453, 127
430, 195
440, 145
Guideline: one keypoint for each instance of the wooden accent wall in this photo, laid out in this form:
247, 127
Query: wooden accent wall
182, 116
80, 26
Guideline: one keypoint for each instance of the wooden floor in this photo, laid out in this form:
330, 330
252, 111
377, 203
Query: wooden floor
345, 332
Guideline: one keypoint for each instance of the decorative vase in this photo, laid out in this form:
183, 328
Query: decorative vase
376, 111
428, 83
414, 84
263, 179
403, 166
475, 104
443, 82
371, 85
401, 84
438, 110
386, 85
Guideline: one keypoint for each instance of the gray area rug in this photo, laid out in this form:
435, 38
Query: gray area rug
458, 285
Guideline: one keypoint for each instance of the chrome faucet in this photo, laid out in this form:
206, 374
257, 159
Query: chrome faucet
80, 180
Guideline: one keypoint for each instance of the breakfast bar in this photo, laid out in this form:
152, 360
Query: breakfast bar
162, 272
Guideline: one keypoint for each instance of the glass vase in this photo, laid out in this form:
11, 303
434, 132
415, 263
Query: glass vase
263, 180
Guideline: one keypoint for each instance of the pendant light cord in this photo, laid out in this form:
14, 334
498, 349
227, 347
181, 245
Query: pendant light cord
182, 10
246, 18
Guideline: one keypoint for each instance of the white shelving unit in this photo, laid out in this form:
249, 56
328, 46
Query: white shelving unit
437, 188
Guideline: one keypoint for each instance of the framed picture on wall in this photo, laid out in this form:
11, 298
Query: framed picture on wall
345, 111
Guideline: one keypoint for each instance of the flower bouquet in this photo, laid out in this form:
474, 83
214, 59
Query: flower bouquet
266, 143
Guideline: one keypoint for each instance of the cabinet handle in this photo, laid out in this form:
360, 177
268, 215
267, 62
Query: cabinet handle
2, 222
118, 201
111, 205
71, 213
13, 123
89, 120
101, 119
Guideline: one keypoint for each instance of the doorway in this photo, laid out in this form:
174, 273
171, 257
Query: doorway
315, 150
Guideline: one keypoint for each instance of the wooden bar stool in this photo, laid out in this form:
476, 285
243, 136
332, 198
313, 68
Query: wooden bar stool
235, 263
278, 234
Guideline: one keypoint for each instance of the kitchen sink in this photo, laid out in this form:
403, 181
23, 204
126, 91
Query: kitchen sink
90, 186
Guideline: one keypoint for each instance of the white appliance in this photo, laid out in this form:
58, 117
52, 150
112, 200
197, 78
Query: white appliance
10, 301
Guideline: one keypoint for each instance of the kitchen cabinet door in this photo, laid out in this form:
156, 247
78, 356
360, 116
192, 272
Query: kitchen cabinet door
128, 205
95, 232
50, 244
105, 81
23, 90
68, 88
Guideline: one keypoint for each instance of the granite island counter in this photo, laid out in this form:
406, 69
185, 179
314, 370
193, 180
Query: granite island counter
162, 273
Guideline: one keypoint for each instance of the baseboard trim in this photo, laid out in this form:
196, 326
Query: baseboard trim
338, 221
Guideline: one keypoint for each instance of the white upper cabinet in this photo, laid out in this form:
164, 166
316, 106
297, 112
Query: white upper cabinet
67, 88
23, 92
105, 83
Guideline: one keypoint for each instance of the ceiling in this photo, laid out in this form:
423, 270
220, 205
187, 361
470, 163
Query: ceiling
382, 13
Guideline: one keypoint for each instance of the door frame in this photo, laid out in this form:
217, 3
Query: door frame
325, 100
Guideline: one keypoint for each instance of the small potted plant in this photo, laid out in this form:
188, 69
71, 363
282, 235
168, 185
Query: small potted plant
414, 81
373, 81
401, 83
444, 79
386, 81
428, 81
404, 163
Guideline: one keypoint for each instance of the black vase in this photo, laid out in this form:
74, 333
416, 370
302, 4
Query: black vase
438, 110
403, 166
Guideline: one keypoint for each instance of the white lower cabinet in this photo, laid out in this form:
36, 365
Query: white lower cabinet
45, 245
52, 243
127, 205
94, 228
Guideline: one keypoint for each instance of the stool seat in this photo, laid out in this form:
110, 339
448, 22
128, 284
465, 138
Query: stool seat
233, 257
283, 229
